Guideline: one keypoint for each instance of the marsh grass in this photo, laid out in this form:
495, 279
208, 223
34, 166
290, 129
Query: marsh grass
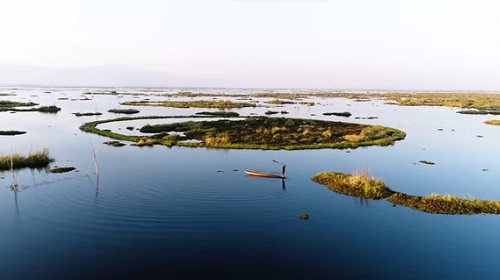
253, 133
446, 204
360, 184
278, 133
38, 159
114, 143
492, 122
5, 104
221, 104
427, 162
279, 102
13, 106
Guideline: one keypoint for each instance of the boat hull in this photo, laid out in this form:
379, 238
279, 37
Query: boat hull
263, 175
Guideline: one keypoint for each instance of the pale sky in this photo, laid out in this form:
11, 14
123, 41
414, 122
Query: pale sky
350, 44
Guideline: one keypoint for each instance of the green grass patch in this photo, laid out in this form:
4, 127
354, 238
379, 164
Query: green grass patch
492, 122
124, 111
38, 159
221, 104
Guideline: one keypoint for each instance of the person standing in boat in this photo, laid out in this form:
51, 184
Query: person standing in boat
283, 169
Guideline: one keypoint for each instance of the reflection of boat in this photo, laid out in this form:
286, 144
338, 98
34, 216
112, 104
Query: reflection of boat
265, 175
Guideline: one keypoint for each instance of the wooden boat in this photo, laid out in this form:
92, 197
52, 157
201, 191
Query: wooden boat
264, 175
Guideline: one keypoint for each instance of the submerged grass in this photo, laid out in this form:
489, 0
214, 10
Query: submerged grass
362, 185
38, 159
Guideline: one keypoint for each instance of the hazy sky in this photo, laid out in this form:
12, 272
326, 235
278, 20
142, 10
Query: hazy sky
355, 44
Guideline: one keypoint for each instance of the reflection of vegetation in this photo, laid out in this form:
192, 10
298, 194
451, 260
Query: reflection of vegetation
38, 159
493, 122
279, 133
11, 132
124, 111
87, 114
219, 114
339, 114
221, 104
61, 169
361, 185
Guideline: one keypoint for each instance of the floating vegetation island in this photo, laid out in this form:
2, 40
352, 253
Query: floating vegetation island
12, 106
257, 133
362, 186
221, 104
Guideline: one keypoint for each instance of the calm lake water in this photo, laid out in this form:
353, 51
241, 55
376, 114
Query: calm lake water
182, 213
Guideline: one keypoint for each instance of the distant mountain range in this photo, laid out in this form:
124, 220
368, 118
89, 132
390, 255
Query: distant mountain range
101, 76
